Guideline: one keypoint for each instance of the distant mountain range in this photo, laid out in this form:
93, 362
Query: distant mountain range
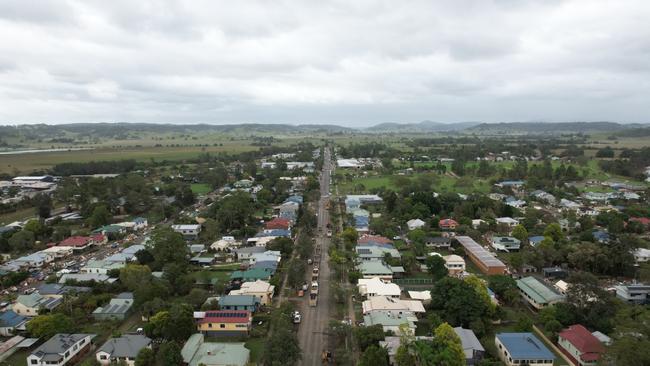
424, 126
473, 128
547, 128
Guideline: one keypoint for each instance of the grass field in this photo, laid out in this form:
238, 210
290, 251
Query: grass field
200, 188
26, 163
440, 183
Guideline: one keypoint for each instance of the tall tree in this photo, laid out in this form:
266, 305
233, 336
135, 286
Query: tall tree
436, 266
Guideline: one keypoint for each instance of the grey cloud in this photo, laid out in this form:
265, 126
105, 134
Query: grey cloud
334, 61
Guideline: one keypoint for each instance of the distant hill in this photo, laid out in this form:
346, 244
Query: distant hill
424, 126
118, 129
547, 128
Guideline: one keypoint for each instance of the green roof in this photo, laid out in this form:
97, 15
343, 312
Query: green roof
374, 267
196, 352
538, 291
251, 274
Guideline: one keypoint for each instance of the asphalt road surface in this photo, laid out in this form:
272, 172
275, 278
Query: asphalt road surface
315, 320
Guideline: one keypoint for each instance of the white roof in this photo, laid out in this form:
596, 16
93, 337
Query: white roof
185, 227
377, 287
420, 295
389, 303
257, 286
506, 220
453, 258
561, 285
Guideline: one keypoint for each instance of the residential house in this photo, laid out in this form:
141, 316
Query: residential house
641, 255
415, 224
372, 252
117, 309
438, 242
78, 243
260, 289
370, 287
239, 302
225, 243
514, 184
505, 243
522, 349
601, 236
535, 240
389, 304
100, 266
243, 254
636, 293
507, 221
423, 296
122, 349
11, 323
269, 255
278, 223
569, 205
86, 277
537, 294
29, 305
196, 351
580, 345
448, 224
555, 272
188, 231
251, 275
374, 240
370, 269
476, 223
455, 264
61, 349
474, 351
56, 290
224, 323
395, 323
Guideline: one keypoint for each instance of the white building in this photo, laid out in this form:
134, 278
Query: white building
508, 221
60, 349
642, 255
415, 224
455, 264
375, 287
188, 231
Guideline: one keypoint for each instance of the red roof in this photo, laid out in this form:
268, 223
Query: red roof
226, 316
447, 223
375, 239
75, 241
643, 220
589, 346
98, 237
278, 223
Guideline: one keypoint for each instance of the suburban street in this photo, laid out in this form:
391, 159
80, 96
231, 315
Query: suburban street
312, 332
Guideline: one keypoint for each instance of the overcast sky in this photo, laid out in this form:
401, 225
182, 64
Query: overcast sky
347, 62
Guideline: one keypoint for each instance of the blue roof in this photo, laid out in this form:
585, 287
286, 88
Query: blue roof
238, 300
10, 319
525, 346
600, 235
512, 182
296, 199
274, 232
534, 240
265, 264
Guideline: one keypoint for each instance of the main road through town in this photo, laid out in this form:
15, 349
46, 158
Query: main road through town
313, 328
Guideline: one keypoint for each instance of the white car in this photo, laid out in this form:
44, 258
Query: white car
296, 317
